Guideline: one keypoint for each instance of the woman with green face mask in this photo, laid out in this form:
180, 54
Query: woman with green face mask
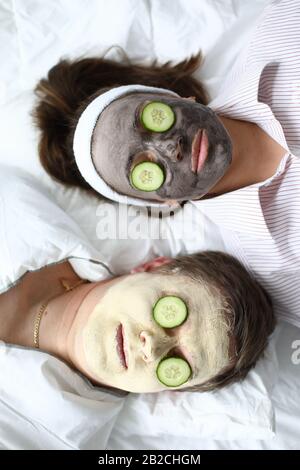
196, 322
147, 331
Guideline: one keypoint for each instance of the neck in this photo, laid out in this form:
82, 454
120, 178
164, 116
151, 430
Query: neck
255, 156
22, 303
57, 321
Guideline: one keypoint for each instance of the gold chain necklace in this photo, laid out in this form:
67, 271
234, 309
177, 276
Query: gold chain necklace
38, 317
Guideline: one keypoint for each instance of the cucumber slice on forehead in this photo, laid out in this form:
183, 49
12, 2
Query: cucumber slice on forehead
147, 176
157, 117
173, 371
170, 311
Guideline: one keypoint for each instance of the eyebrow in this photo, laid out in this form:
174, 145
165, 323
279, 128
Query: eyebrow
137, 113
195, 369
191, 364
129, 164
131, 157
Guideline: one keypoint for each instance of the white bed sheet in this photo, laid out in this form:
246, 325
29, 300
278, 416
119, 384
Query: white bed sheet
36, 34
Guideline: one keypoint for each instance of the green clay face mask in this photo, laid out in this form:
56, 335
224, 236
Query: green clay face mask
123, 344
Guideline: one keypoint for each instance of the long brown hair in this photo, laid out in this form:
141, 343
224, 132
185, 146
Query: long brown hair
72, 84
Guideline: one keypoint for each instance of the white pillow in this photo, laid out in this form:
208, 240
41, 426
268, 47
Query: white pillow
9, 52
41, 32
38, 33
220, 28
45, 405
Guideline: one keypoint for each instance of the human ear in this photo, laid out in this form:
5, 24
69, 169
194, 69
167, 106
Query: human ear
150, 265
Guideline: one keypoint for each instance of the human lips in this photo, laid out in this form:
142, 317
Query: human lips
121, 347
199, 150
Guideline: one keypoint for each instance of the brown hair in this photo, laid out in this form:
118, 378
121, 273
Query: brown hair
71, 85
248, 304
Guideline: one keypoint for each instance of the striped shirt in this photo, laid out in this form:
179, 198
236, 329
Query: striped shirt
260, 224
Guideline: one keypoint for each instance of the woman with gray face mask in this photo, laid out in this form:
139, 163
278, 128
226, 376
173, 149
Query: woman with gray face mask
236, 160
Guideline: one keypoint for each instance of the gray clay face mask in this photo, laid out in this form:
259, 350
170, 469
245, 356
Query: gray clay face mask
121, 141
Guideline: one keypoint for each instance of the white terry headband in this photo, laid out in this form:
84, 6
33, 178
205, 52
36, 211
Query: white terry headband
82, 143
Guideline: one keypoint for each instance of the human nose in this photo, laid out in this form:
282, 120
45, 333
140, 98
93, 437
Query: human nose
153, 346
174, 152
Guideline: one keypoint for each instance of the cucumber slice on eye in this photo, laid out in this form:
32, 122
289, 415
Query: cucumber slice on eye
157, 117
173, 371
170, 311
147, 176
